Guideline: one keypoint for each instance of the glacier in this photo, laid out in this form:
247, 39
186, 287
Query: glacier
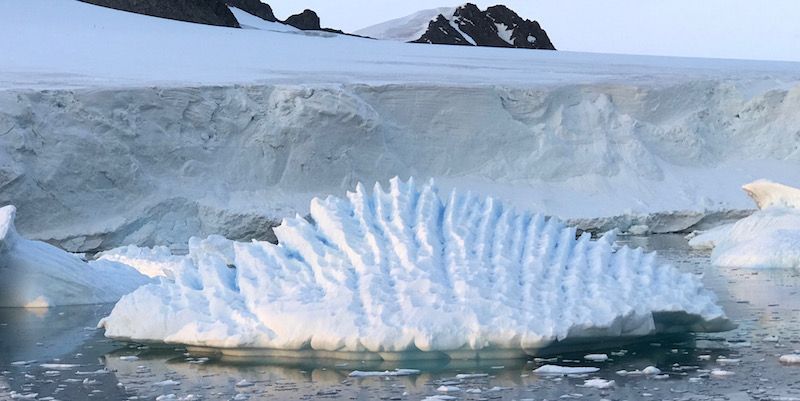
34, 274
404, 273
768, 238
185, 142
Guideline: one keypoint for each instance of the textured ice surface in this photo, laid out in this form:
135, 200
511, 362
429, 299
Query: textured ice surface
399, 271
770, 237
36, 274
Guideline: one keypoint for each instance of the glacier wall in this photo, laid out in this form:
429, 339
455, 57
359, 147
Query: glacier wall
90, 169
391, 272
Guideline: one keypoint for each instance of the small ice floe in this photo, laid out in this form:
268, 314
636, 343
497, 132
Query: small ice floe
93, 373
23, 396
771, 339
564, 370
448, 389
440, 397
59, 366
648, 371
52, 373
396, 372
721, 373
704, 357
168, 382
596, 357
790, 359
244, 383
728, 361
599, 383
22, 363
129, 358
468, 376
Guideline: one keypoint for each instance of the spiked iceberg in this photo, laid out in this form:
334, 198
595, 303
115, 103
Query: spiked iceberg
403, 274
36, 274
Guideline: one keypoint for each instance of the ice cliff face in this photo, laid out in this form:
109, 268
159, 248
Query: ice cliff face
35, 275
397, 271
154, 166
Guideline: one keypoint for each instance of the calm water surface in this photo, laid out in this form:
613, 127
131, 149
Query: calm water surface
58, 354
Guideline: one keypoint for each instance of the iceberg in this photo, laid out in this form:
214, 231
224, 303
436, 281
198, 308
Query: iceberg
402, 274
35, 274
768, 238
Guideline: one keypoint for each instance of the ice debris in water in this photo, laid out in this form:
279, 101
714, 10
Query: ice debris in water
790, 359
392, 273
770, 237
35, 274
564, 370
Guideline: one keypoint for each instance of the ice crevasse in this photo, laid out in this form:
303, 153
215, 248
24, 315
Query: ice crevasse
404, 273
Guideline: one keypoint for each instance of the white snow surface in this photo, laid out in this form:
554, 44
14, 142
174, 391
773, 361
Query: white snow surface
250, 21
769, 238
402, 270
199, 130
408, 28
152, 262
34, 274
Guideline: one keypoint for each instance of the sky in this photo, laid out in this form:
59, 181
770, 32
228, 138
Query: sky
745, 29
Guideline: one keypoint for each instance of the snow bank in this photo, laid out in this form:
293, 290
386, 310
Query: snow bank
770, 237
38, 275
400, 271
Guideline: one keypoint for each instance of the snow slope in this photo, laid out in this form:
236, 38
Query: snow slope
37, 275
400, 271
196, 130
768, 238
405, 29
250, 21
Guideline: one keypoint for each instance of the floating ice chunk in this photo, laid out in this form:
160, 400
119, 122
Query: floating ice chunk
790, 359
35, 274
596, 357
59, 366
599, 383
396, 372
770, 237
448, 389
564, 370
396, 272
721, 373
468, 376
648, 371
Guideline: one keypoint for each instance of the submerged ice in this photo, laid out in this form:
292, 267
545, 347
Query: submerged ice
36, 274
770, 237
398, 271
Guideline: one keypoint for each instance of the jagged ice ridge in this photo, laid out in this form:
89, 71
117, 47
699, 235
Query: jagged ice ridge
387, 274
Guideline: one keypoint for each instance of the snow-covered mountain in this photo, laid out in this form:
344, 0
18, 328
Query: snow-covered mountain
405, 29
497, 26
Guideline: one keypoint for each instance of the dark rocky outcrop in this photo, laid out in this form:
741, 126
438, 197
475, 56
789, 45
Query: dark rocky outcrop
255, 7
308, 20
210, 12
498, 26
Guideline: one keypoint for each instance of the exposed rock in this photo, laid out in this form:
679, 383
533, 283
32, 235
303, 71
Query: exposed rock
308, 20
255, 7
498, 26
210, 12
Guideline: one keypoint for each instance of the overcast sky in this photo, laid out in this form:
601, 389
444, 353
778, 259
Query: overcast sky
751, 29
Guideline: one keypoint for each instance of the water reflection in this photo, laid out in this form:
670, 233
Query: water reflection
79, 363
